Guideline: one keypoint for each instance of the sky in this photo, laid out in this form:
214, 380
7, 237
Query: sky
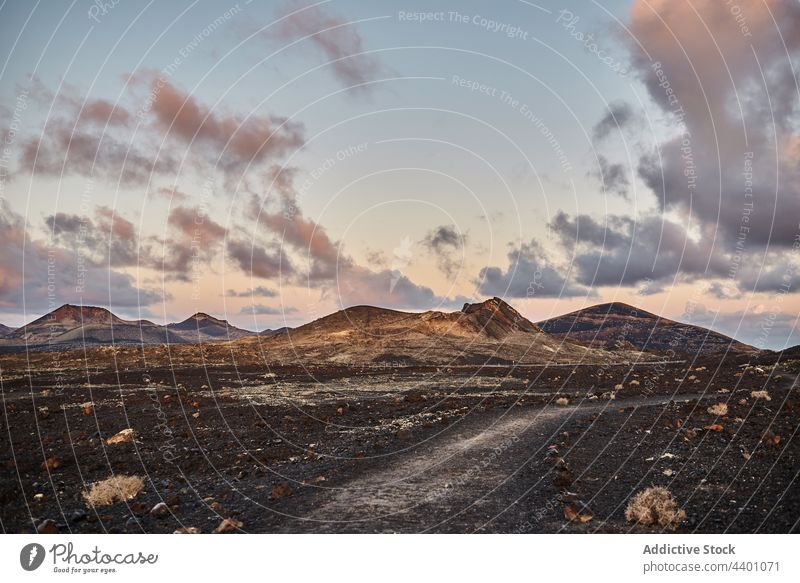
272, 162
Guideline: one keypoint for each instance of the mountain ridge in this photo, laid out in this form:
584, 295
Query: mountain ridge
492, 328
617, 325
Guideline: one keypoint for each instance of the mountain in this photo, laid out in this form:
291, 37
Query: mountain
487, 332
204, 328
273, 332
70, 326
75, 325
616, 326
5, 330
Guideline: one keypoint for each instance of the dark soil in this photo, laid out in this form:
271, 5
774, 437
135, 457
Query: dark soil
401, 449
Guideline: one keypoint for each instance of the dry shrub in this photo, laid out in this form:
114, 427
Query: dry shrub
719, 409
117, 488
655, 505
760, 395
562, 401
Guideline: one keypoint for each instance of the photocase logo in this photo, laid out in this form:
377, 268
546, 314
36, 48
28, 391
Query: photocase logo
31, 556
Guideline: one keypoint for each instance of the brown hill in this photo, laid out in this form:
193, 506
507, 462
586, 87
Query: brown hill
616, 326
488, 332
5, 329
204, 328
70, 325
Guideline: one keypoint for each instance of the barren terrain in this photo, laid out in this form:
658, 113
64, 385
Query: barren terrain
396, 448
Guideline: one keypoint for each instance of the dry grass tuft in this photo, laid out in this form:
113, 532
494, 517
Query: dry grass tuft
655, 505
115, 489
562, 401
760, 395
719, 409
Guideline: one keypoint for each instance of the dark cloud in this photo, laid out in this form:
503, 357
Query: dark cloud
445, 242
529, 275
735, 99
331, 35
262, 310
258, 291
654, 251
618, 116
108, 238
258, 261
613, 177
723, 290
627, 252
41, 276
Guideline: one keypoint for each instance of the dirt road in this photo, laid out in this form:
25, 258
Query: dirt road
464, 481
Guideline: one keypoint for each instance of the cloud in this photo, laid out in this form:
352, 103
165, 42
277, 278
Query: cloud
233, 141
109, 238
41, 276
258, 261
529, 275
723, 290
444, 242
94, 137
612, 177
262, 310
68, 147
358, 285
258, 291
627, 252
654, 250
733, 96
333, 37
171, 193
761, 325
619, 115
293, 229
193, 222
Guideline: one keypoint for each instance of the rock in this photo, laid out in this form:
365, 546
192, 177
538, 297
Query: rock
124, 436
38, 497
187, 530
280, 490
160, 510
567, 497
403, 434
228, 525
47, 526
51, 463
79, 515
44, 412
578, 512
88, 409
563, 477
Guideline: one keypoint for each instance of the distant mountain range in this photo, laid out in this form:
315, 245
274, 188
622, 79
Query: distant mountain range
490, 331
618, 326
79, 325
